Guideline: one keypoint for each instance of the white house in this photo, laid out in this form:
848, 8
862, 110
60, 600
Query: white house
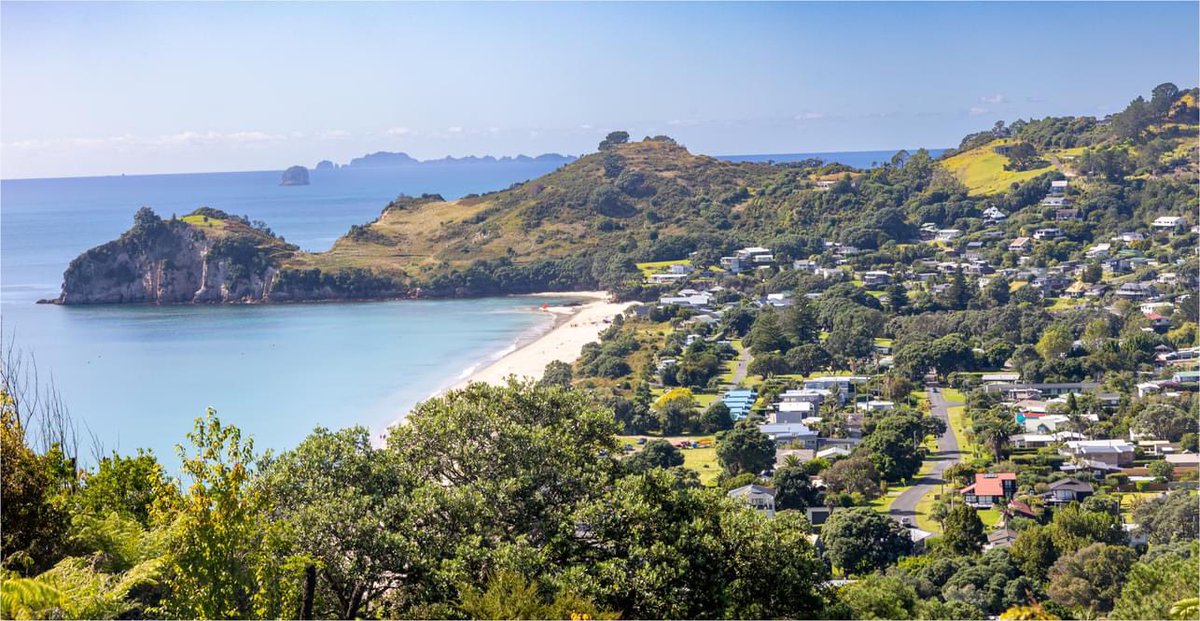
783, 433
1049, 232
948, 234
758, 497
1110, 452
1168, 222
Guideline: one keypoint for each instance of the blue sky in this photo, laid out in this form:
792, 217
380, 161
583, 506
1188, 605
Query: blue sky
171, 87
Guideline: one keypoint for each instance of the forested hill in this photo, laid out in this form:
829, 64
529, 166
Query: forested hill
585, 225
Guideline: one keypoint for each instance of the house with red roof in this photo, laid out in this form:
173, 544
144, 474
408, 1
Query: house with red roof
990, 488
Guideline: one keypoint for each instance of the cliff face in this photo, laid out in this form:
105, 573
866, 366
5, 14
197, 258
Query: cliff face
174, 262
296, 175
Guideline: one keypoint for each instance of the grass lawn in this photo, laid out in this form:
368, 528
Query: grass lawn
924, 522
1062, 304
204, 221
989, 517
703, 461
982, 170
655, 267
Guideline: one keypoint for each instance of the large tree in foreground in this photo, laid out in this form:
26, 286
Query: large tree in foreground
861, 540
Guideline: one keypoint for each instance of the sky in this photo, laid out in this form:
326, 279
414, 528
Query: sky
112, 88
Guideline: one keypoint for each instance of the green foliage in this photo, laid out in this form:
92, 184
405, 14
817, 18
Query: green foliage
963, 530
856, 475
880, 596
1156, 582
860, 540
1172, 518
655, 454
745, 449
1091, 578
34, 525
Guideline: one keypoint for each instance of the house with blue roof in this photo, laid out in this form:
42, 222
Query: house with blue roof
739, 402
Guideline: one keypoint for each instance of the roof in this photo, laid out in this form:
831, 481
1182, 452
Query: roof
989, 484
751, 490
1072, 485
1003, 535
1019, 507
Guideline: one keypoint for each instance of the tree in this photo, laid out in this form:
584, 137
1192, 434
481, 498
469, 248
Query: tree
557, 373
221, 559
125, 485
895, 451
963, 531
1034, 552
1165, 421
1163, 576
716, 418
1055, 342
799, 322
676, 410
993, 427
768, 364
806, 358
880, 596
1074, 528
1171, 518
792, 488
613, 139
854, 475
1162, 470
657, 549
35, 527
745, 449
1091, 578
860, 540
656, 454
510, 596
767, 335
997, 291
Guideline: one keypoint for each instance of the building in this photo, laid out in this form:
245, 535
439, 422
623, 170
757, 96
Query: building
1168, 222
843, 384
746, 258
989, 489
739, 402
1020, 245
876, 279
1065, 491
785, 433
993, 214
1059, 187
758, 497
1049, 232
1001, 538
1110, 452
946, 235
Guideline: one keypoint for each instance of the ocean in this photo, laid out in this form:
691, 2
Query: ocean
137, 376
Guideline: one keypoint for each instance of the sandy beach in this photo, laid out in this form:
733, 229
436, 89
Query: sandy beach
574, 327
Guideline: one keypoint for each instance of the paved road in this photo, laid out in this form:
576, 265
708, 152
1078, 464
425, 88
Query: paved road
905, 504
743, 363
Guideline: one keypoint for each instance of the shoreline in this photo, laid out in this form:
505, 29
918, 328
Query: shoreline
573, 327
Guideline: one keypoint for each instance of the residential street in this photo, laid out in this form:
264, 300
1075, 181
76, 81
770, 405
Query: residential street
906, 503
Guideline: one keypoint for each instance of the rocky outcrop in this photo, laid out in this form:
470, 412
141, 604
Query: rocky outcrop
172, 262
326, 165
296, 175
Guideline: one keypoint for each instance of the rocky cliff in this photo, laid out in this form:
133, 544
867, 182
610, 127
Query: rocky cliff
296, 175
206, 257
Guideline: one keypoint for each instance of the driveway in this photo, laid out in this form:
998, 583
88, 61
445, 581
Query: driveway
905, 505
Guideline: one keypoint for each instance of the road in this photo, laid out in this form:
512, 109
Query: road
743, 363
905, 505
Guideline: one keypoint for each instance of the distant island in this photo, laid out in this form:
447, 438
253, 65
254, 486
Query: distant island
296, 175
586, 225
390, 159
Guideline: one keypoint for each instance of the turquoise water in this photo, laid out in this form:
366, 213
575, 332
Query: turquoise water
136, 376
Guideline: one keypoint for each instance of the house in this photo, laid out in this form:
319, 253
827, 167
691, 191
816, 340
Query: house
875, 406
1020, 245
876, 278
1130, 236
784, 433
1048, 232
1099, 251
805, 395
747, 257
1159, 323
1066, 215
1078, 289
1059, 187
844, 384
1000, 378
1001, 538
758, 497
1068, 490
1111, 452
739, 402
946, 235
918, 539
992, 214
1168, 222
789, 413
1136, 291
990, 488
833, 452
1055, 201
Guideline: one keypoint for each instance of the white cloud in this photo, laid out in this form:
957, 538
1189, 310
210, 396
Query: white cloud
810, 116
179, 139
454, 129
398, 131
586, 126
334, 134
998, 98
976, 111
